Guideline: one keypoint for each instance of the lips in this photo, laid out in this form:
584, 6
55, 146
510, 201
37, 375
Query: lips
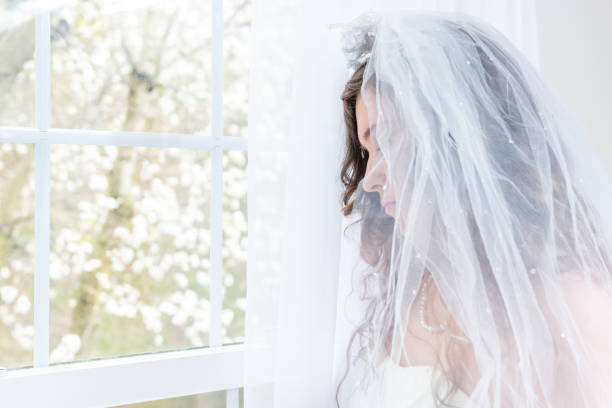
388, 205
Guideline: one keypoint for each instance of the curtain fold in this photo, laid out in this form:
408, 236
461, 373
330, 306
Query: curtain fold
300, 264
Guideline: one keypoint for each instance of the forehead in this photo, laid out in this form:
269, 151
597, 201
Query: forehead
365, 112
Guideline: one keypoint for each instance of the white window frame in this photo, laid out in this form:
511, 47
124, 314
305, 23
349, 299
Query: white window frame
123, 380
126, 380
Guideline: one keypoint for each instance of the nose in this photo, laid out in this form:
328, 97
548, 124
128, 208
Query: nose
376, 175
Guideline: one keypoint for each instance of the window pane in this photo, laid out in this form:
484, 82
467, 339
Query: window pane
129, 250
208, 400
17, 70
236, 49
139, 66
234, 244
16, 254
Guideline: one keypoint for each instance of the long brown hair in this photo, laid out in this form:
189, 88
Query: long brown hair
376, 225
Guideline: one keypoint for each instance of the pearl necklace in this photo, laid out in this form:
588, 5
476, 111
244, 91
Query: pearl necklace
441, 328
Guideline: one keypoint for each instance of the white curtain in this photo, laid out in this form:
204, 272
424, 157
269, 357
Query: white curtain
299, 267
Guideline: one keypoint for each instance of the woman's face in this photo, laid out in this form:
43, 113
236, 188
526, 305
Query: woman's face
376, 176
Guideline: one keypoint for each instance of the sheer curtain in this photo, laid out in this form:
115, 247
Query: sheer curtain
300, 262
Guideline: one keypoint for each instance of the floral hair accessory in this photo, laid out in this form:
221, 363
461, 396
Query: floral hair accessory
357, 38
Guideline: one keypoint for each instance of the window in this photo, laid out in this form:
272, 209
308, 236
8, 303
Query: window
123, 157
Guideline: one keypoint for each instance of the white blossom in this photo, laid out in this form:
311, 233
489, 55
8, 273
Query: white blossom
98, 182
151, 317
181, 280
24, 336
69, 345
8, 293
22, 305
91, 264
202, 278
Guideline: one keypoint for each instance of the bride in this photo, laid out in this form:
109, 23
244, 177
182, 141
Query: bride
484, 223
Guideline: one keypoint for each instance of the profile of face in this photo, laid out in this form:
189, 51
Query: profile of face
376, 178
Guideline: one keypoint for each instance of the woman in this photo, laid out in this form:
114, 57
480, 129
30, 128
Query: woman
485, 223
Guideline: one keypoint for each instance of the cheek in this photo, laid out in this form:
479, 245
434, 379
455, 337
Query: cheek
367, 169
368, 165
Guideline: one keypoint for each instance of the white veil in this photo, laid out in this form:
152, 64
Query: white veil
497, 253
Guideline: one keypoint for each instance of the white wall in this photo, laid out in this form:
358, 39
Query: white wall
575, 41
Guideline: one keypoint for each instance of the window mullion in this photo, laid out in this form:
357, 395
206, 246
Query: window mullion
42, 178
120, 138
216, 202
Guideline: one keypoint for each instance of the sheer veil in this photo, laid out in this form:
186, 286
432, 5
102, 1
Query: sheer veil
496, 200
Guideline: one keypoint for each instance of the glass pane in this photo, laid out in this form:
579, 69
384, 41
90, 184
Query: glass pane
132, 65
17, 72
234, 244
129, 250
236, 49
208, 400
16, 254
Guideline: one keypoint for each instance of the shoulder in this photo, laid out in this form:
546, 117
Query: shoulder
591, 308
587, 298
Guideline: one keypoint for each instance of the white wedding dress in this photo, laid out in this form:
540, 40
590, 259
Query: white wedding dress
404, 387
